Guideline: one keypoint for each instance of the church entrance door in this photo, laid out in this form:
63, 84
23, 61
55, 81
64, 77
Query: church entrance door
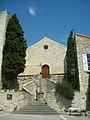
45, 71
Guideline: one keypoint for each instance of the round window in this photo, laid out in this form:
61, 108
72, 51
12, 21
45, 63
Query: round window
45, 47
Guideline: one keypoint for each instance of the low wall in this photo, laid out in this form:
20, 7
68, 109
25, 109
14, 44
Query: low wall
57, 102
60, 104
54, 77
17, 100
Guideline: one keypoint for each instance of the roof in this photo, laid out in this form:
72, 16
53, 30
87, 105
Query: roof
4, 12
81, 35
45, 39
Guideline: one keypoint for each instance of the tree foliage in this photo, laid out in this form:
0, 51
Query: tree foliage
14, 51
65, 90
72, 72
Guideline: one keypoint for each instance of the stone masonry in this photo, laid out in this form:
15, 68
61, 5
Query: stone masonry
4, 17
37, 56
82, 46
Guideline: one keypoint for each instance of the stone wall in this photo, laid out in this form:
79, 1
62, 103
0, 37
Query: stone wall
82, 46
23, 79
33, 83
37, 56
79, 101
19, 99
60, 104
4, 17
57, 102
54, 77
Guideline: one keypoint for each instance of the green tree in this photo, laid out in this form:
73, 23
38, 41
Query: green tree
14, 52
72, 72
65, 90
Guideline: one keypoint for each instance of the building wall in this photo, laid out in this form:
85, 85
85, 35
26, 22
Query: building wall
37, 56
82, 46
4, 17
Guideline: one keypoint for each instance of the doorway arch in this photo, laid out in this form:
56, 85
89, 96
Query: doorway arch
45, 71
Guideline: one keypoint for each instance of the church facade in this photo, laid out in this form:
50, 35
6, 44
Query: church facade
47, 59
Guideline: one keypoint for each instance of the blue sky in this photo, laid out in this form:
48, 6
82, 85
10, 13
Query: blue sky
53, 18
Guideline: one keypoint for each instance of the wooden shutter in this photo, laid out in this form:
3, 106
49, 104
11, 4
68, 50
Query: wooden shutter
85, 62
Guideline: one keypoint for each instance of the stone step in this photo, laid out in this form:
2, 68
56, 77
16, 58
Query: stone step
36, 108
36, 103
36, 113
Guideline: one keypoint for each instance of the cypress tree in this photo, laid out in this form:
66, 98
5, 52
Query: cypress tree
14, 52
72, 73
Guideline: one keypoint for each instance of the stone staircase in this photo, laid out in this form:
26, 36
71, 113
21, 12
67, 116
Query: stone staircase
37, 89
36, 108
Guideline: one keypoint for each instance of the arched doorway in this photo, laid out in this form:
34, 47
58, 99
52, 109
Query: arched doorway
45, 71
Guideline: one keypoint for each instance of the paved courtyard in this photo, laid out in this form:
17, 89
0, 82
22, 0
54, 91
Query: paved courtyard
9, 116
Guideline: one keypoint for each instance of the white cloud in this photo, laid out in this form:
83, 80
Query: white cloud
32, 10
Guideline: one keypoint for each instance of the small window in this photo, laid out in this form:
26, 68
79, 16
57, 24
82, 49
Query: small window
86, 62
45, 47
88, 59
85, 66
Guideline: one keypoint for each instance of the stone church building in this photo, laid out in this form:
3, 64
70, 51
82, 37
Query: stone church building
46, 57
45, 65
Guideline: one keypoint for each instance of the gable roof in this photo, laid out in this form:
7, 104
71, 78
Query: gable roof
46, 40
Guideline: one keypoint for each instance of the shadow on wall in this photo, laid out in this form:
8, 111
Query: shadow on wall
10, 84
88, 95
65, 68
65, 65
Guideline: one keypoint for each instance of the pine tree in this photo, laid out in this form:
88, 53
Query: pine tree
72, 73
14, 52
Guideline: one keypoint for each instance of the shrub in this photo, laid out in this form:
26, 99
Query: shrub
65, 90
83, 110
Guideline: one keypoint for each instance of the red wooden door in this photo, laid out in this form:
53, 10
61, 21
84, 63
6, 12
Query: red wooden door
45, 71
